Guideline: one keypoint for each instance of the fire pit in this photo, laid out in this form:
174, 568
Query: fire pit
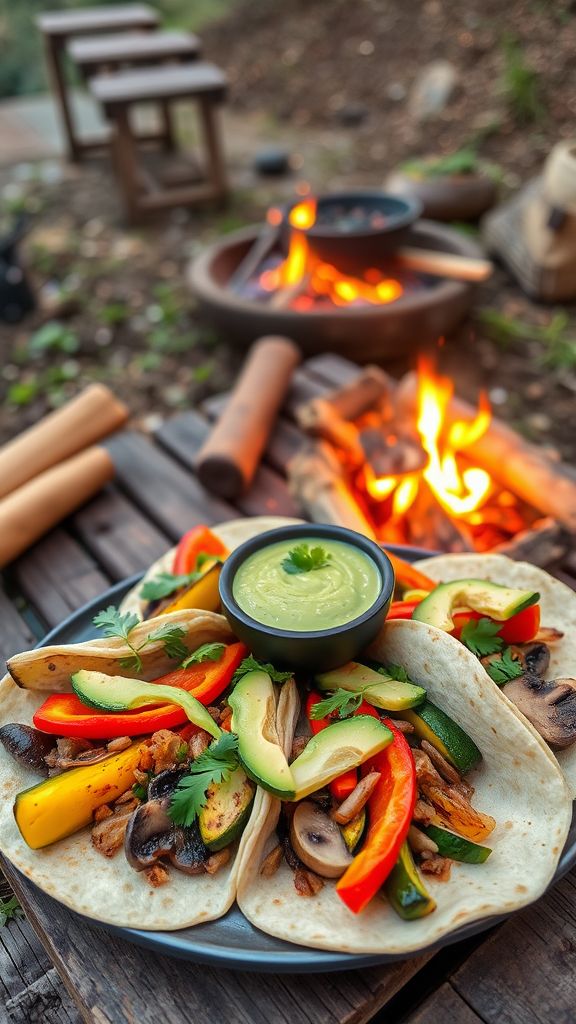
388, 312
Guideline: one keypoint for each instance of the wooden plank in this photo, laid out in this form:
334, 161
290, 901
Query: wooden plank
171, 498
332, 369
15, 634
442, 1007
268, 494
57, 576
120, 537
524, 972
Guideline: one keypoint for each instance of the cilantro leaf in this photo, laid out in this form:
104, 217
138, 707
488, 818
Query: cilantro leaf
166, 583
206, 652
250, 664
215, 764
396, 671
344, 702
170, 636
113, 623
481, 637
303, 558
10, 909
204, 556
505, 668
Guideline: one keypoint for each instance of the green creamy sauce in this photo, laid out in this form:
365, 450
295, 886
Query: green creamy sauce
319, 599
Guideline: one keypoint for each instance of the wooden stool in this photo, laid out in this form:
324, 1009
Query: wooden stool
203, 83
58, 26
129, 49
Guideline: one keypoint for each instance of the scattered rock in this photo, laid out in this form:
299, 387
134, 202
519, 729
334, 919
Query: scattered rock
433, 90
272, 161
498, 396
352, 114
539, 421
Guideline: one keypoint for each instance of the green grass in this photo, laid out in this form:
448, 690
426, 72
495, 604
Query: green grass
557, 339
521, 84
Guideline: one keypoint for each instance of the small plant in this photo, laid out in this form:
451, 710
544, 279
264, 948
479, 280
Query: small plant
202, 373
556, 338
53, 337
114, 313
521, 84
22, 392
10, 910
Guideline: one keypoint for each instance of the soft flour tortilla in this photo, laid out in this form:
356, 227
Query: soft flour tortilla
72, 870
517, 783
558, 604
232, 533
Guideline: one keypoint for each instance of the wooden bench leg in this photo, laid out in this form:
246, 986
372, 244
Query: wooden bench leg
54, 58
216, 169
125, 162
168, 136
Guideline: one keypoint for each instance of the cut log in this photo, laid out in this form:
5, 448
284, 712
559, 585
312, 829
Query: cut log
320, 419
431, 527
365, 392
522, 467
543, 544
317, 484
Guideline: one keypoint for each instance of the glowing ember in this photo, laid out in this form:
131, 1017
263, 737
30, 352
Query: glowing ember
459, 491
319, 279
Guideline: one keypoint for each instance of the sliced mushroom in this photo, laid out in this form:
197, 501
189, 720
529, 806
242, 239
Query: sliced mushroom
318, 841
534, 657
163, 785
549, 706
85, 757
28, 746
150, 834
189, 853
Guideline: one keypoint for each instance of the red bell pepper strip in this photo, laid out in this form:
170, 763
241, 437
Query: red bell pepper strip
407, 576
402, 609
390, 810
63, 714
199, 539
342, 786
518, 629
208, 679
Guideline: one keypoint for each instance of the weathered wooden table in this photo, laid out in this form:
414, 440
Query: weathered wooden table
519, 973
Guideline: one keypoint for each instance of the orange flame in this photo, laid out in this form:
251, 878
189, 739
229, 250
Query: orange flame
460, 492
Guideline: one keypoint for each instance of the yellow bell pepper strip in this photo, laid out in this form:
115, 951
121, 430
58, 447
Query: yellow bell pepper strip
203, 593
390, 810
59, 806
63, 714
118, 693
198, 540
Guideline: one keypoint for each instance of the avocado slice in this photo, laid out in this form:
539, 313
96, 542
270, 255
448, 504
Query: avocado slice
432, 724
343, 745
406, 890
377, 688
254, 722
456, 847
491, 599
118, 693
226, 811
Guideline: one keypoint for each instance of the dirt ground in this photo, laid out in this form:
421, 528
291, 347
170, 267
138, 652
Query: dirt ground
332, 81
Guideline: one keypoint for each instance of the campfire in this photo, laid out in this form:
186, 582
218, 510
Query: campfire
407, 463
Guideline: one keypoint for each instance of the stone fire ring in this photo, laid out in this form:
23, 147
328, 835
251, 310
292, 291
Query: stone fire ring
367, 333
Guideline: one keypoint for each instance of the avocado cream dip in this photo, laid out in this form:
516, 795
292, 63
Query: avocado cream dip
274, 586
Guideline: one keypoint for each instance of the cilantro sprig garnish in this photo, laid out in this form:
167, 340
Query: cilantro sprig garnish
505, 668
115, 624
303, 558
214, 765
481, 637
250, 664
166, 583
342, 702
206, 652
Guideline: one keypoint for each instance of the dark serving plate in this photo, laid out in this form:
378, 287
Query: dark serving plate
232, 941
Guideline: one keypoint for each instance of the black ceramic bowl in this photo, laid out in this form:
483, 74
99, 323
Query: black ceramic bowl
321, 649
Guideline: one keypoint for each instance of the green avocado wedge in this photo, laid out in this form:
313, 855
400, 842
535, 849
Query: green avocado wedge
118, 693
224, 815
254, 721
343, 745
379, 689
491, 599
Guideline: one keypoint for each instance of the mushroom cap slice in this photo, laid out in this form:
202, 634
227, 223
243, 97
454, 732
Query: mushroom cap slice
534, 657
28, 746
150, 835
549, 706
189, 853
318, 841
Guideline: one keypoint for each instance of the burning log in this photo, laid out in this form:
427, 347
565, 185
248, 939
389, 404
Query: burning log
444, 264
391, 454
367, 391
262, 247
431, 527
543, 544
522, 467
316, 481
319, 418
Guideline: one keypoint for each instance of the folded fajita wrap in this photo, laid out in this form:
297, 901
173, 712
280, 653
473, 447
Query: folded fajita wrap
558, 609
517, 783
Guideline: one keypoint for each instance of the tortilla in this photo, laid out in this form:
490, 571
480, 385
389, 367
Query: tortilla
517, 783
232, 533
558, 605
72, 871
